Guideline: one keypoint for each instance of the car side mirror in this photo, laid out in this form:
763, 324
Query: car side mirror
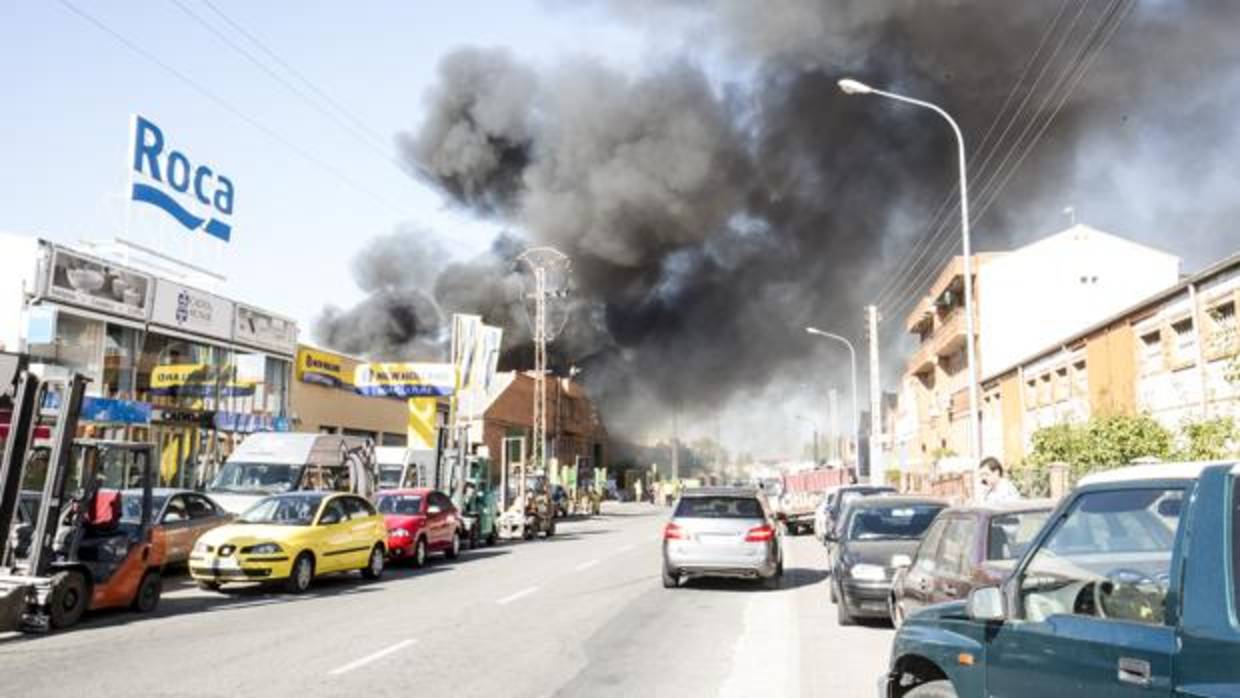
986, 604
433, 509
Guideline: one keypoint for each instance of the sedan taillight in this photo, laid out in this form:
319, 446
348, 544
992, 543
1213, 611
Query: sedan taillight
673, 532
759, 534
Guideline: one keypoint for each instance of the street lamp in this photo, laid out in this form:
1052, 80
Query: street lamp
852, 358
853, 87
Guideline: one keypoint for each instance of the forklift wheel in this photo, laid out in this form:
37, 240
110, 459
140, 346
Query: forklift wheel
492, 538
69, 599
149, 590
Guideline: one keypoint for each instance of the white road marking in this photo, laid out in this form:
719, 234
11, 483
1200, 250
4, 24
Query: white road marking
519, 595
586, 565
371, 657
627, 548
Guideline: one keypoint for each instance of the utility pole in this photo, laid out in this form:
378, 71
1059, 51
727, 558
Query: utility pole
876, 397
544, 262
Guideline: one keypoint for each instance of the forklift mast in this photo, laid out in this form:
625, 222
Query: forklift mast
13, 465
52, 502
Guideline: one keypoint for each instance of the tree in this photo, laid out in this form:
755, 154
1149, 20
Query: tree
1099, 444
1210, 439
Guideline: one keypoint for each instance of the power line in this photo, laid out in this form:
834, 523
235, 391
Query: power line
1095, 41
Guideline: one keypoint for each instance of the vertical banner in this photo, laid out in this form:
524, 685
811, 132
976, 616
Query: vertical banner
486, 359
465, 331
423, 427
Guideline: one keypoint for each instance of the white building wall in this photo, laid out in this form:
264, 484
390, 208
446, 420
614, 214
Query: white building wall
1046, 291
19, 255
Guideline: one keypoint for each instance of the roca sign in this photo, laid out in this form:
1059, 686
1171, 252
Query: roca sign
194, 194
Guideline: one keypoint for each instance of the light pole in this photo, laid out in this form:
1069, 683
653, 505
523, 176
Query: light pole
852, 359
854, 87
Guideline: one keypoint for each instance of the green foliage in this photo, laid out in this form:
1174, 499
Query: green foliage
1099, 444
1210, 439
892, 477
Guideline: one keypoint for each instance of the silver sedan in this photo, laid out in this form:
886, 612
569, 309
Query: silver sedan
722, 532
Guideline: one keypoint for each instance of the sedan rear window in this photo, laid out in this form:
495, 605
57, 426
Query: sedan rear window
719, 508
406, 504
898, 521
1011, 534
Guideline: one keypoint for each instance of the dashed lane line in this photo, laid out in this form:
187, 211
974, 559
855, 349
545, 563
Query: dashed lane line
357, 664
519, 595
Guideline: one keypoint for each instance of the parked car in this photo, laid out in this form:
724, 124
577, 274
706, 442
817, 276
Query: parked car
293, 538
837, 501
722, 532
965, 548
419, 521
877, 536
1129, 589
180, 518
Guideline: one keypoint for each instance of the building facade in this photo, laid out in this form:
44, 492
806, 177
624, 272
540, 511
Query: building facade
1028, 297
323, 400
1170, 356
202, 370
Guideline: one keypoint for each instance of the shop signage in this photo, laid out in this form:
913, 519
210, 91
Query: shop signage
106, 410
191, 310
423, 430
323, 368
195, 195
194, 380
406, 379
200, 419
246, 423
91, 283
262, 329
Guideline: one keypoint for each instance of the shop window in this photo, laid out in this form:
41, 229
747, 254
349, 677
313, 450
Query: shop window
78, 346
174, 372
120, 361
275, 400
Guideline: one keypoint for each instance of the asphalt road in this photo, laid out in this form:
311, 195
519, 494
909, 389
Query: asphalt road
583, 614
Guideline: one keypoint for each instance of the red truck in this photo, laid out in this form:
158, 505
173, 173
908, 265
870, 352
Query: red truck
801, 492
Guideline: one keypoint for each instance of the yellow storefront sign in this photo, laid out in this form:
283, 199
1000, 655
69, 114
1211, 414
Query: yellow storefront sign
423, 422
178, 375
323, 368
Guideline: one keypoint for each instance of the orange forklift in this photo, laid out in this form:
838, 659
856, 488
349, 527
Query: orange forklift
89, 548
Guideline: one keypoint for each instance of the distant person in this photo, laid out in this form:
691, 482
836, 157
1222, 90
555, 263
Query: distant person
996, 488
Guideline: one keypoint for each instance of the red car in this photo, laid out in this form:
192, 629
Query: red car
419, 521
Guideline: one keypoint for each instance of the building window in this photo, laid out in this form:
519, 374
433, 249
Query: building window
174, 372
78, 347
1223, 329
1045, 390
1185, 341
1031, 392
120, 361
1080, 379
1151, 352
1063, 386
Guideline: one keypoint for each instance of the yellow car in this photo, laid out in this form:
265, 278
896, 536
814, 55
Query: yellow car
292, 538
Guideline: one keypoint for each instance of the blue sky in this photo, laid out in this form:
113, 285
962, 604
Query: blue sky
69, 89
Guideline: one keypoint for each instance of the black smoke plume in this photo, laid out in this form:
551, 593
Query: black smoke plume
710, 218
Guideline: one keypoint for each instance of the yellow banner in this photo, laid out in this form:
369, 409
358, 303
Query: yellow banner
423, 422
177, 375
324, 368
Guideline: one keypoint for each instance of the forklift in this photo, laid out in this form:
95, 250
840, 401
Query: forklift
478, 506
89, 549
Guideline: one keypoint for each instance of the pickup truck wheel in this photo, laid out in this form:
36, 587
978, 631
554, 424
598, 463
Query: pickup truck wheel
69, 599
934, 689
374, 564
454, 549
147, 597
301, 575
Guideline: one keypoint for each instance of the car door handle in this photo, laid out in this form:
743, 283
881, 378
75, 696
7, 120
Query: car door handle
1134, 671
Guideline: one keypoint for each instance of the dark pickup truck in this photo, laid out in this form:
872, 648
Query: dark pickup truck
1130, 589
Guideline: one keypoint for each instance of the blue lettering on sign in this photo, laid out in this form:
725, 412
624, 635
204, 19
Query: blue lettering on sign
174, 169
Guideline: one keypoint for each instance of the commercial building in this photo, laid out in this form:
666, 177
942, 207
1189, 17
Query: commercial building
1028, 297
1171, 355
323, 400
168, 362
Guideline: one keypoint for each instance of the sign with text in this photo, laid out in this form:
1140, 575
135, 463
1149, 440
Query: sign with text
404, 379
92, 283
264, 330
196, 196
323, 368
184, 308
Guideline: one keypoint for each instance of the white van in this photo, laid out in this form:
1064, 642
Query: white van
270, 463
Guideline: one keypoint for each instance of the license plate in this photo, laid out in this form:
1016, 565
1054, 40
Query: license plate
717, 538
227, 563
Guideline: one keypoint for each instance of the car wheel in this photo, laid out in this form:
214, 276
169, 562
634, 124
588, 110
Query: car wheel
419, 553
897, 613
775, 581
149, 590
551, 529
492, 538
301, 575
208, 586
69, 599
834, 598
455, 548
671, 579
374, 566
934, 689
843, 617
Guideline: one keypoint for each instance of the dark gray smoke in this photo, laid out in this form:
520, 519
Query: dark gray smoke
709, 220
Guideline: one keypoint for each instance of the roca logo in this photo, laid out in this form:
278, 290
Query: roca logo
172, 169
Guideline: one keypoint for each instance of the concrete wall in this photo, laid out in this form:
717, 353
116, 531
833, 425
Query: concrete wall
1060, 285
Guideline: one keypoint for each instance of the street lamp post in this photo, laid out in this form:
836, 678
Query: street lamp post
852, 358
854, 87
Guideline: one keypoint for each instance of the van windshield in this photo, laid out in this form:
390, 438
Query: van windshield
258, 478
